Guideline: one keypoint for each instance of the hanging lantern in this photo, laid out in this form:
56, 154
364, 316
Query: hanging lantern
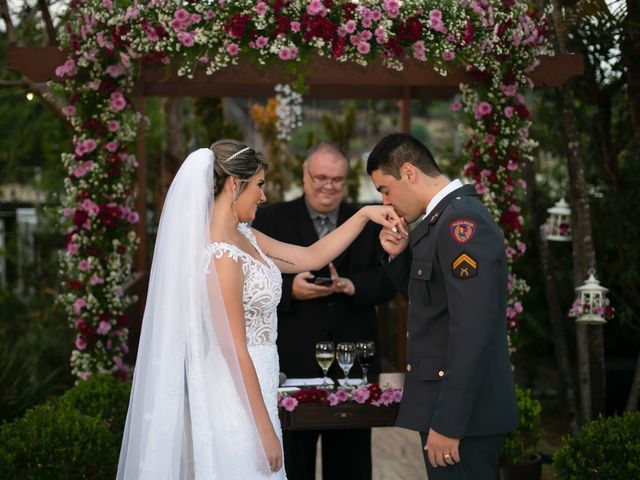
558, 226
591, 305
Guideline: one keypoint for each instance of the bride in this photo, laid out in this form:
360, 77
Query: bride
204, 397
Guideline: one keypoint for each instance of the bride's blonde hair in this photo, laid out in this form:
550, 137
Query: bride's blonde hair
235, 159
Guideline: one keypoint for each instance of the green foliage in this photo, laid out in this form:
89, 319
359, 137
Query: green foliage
102, 396
340, 131
20, 385
419, 130
34, 346
520, 444
57, 443
604, 449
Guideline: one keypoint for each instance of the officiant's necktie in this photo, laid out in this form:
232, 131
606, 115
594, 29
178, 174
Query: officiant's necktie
323, 225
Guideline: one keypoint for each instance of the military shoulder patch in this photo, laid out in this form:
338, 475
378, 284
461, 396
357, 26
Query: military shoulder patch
462, 230
464, 267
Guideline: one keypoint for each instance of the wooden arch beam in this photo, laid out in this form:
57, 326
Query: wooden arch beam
326, 78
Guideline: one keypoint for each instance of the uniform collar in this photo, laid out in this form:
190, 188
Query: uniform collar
450, 187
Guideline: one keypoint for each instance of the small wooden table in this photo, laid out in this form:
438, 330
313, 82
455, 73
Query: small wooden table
311, 416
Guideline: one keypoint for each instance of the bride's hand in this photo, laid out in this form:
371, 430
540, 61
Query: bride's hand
394, 243
386, 216
273, 451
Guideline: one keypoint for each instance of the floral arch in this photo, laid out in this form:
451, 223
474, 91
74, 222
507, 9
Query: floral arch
497, 43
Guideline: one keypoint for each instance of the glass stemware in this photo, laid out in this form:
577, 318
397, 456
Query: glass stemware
346, 355
325, 353
365, 350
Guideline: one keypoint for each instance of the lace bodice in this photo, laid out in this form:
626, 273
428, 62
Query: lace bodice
262, 288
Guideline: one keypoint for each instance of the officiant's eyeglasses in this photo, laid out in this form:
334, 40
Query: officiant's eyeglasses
337, 182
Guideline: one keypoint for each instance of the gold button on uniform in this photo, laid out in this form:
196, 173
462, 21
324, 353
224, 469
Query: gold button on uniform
408, 367
441, 373
419, 271
407, 334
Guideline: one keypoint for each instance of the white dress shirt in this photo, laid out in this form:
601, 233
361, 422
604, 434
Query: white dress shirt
450, 187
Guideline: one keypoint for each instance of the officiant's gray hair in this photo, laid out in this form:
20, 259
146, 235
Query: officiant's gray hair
326, 147
235, 159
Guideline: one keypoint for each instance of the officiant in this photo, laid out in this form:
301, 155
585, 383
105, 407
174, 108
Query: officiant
309, 311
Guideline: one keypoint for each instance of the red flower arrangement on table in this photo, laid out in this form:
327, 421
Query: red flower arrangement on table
372, 394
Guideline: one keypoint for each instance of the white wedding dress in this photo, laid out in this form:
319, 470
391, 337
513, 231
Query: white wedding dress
260, 298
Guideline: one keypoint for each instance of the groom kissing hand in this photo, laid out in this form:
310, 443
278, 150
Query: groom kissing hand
459, 391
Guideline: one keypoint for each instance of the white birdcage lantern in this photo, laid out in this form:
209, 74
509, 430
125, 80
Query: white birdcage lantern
558, 226
591, 305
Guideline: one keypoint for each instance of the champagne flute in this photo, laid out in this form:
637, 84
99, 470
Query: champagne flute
364, 352
346, 355
325, 353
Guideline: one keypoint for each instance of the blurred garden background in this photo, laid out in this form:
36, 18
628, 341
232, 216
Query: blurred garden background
590, 124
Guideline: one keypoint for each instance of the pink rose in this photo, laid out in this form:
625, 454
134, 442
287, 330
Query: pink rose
186, 38
435, 15
261, 8
103, 327
455, 106
133, 217
81, 344
113, 125
117, 102
83, 265
78, 305
316, 7
448, 55
72, 248
508, 90
364, 48
111, 146
482, 109
115, 70
96, 280
295, 27
350, 26
69, 110
508, 112
289, 403
261, 41
233, 49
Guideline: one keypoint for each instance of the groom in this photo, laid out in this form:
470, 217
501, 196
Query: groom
459, 391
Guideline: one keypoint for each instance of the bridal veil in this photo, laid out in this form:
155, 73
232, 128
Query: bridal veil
189, 415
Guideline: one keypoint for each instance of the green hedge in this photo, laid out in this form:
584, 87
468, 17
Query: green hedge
101, 396
604, 449
56, 443
76, 437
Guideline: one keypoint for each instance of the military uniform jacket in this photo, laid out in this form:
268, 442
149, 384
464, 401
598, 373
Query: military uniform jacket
454, 274
338, 317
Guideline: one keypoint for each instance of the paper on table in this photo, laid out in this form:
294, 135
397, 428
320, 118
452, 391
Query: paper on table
302, 382
315, 382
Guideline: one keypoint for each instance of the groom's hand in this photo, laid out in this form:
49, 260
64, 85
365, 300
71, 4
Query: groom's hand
394, 243
441, 450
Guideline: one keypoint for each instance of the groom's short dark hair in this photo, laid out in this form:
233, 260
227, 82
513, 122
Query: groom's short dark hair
398, 148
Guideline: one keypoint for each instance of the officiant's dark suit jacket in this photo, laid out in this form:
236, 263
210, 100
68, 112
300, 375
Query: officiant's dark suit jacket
454, 274
338, 317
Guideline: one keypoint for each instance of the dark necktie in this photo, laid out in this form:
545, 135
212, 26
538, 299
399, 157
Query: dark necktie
324, 226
